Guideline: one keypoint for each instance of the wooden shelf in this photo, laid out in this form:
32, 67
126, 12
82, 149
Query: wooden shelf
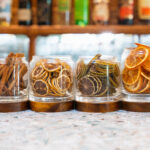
46, 30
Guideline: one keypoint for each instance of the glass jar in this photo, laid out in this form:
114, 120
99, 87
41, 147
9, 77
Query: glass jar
97, 79
13, 78
126, 12
51, 79
100, 12
135, 69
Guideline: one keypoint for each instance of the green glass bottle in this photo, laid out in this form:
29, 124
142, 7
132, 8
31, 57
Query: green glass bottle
81, 12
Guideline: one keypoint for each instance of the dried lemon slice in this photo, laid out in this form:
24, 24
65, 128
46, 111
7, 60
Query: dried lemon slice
41, 88
51, 67
37, 72
63, 82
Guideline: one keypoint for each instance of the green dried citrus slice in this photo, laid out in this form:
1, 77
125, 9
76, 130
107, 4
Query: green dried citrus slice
103, 89
97, 84
41, 88
113, 80
86, 86
51, 67
37, 72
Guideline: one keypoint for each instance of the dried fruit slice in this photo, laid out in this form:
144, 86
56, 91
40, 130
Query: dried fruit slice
145, 73
142, 45
130, 77
97, 84
104, 87
146, 64
145, 86
41, 88
80, 69
63, 82
114, 81
86, 86
37, 72
51, 67
134, 88
136, 57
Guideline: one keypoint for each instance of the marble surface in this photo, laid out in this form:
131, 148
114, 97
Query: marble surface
75, 131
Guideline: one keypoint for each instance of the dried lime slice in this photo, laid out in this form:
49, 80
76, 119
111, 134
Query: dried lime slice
86, 86
104, 88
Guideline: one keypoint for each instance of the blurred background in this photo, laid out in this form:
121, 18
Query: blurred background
72, 44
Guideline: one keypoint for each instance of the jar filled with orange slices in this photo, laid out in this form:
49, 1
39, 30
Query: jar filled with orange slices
136, 70
13, 78
51, 78
97, 78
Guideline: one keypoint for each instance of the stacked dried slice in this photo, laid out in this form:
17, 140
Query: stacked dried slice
12, 73
97, 78
51, 79
136, 74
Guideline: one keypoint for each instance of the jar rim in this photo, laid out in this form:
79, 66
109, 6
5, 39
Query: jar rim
103, 57
54, 56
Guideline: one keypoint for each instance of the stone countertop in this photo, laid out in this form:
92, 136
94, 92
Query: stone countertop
75, 131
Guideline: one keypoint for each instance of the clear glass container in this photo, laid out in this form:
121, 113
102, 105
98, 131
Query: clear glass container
97, 79
135, 68
13, 78
51, 79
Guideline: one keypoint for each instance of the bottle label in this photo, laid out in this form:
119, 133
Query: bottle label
126, 12
24, 15
101, 12
63, 5
144, 9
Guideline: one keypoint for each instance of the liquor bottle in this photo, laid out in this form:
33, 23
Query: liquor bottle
5, 12
81, 12
44, 12
62, 12
126, 12
100, 13
144, 11
24, 12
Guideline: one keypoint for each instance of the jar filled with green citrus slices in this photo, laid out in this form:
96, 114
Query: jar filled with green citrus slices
51, 78
97, 78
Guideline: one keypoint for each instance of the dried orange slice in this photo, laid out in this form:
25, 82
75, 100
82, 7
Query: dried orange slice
136, 57
130, 77
41, 87
146, 64
145, 86
145, 73
142, 45
37, 72
51, 67
134, 88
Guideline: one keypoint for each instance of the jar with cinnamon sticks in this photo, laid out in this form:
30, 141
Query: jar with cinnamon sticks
13, 78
